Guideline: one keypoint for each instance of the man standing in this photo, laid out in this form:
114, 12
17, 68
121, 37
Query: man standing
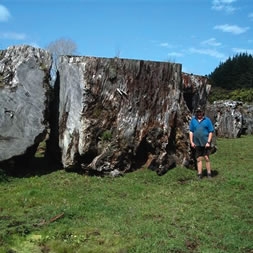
201, 133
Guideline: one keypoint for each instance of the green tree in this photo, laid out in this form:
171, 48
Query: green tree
234, 73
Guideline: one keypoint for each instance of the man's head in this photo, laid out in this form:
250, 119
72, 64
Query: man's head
199, 111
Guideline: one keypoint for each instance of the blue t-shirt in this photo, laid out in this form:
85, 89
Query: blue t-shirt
201, 130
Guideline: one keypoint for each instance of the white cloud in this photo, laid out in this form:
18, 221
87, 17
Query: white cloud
211, 42
175, 54
231, 28
13, 36
166, 45
242, 50
251, 16
4, 14
223, 5
210, 52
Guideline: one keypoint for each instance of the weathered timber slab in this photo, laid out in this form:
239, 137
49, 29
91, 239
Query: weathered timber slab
120, 114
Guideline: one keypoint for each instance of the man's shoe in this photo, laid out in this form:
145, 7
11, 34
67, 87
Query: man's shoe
209, 175
200, 176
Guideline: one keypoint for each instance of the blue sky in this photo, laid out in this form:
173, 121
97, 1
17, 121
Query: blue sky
199, 34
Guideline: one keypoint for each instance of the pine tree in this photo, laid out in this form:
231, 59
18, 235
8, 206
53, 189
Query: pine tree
234, 73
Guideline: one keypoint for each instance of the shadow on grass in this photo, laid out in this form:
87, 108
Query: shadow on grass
215, 173
20, 167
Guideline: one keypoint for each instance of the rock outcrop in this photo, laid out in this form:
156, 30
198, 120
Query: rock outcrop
247, 114
231, 118
24, 96
227, 118
196, 90
109, 115
118, 115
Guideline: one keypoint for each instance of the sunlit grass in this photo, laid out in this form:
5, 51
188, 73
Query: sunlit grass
140, 212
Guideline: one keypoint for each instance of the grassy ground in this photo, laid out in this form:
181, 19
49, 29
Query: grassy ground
140, 212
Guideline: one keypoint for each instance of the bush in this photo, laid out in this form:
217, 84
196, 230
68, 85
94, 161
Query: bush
106, 136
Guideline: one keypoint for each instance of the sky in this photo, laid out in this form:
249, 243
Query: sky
199, 34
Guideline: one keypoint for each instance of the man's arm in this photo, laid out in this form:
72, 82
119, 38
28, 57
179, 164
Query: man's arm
210, 136
191, 139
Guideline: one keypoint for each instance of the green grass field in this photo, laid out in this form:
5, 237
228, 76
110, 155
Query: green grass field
141, 212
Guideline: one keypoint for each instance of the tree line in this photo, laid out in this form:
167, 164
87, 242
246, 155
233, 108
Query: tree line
233, 79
